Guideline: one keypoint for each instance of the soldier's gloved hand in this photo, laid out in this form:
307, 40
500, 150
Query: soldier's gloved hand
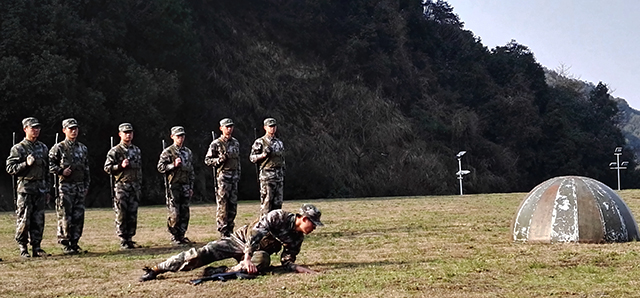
125, 163
177, 162
66, 172
30, 160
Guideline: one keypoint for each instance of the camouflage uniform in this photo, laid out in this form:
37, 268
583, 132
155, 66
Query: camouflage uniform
227, 177
32, 187
70, 205
272, 170
180, 184
127, 189
267, 236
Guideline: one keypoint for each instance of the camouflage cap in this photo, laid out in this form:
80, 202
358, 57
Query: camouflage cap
312, 213
30, 121
177, 131
270, 122
125, 127
69, 123
226, 122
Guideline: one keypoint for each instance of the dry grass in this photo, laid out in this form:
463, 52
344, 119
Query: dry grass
447, 246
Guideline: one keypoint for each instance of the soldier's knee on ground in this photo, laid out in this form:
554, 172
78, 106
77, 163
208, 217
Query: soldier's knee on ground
261, 259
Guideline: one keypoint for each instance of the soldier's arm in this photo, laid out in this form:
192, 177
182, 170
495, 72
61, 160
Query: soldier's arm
87, 176
16, 162
54, 160
165, 163
112, 165
192, 173
256, 151
211, 155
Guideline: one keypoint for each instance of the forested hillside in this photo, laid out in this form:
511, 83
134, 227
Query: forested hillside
372, 98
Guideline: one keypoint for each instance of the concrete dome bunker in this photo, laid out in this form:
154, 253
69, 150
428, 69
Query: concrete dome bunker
574, 209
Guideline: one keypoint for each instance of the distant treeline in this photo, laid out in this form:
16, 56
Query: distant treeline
372, 98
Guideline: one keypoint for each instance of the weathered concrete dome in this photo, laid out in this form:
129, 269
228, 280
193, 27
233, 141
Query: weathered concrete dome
574, 209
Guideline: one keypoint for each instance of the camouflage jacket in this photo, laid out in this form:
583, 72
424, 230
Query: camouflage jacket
72, 155
270, 233
115, 156
34, 178
230, 168
271, 167
183, 174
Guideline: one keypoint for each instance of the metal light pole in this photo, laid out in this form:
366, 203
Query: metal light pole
460, 170
616, 165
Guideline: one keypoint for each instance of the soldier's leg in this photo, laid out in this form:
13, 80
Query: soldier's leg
77, 216
184, 212
64, 209
120, 206
36, 228
278, 195
172, 213
198, 257
222, 210
232, 208
23, 213
267, 195
133, 211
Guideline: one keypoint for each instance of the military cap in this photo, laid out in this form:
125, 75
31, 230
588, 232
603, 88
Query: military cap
125, 127
312, 213
226, 122
69, 123
177, 131
30, 121
269, 122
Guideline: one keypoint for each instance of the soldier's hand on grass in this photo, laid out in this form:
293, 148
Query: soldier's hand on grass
251, 268
302, 269
125, 163
66, 172
177, 162
30, 160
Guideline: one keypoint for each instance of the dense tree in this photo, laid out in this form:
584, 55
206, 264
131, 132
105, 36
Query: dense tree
373, 97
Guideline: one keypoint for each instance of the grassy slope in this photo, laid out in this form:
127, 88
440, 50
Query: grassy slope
446, 246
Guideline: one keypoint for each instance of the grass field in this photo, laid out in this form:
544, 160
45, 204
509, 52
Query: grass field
445, 246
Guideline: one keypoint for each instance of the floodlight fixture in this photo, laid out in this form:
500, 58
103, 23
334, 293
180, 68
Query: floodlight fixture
616, 165
460, 171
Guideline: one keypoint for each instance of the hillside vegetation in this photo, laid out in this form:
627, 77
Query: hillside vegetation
373, 98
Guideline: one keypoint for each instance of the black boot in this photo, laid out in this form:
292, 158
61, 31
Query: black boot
150, 273
24, 251
39, 252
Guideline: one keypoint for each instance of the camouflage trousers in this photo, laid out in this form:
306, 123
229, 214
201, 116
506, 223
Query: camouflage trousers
227, 205
178, 210
70, 209
30, 222
271, 195
125, 205
224, 248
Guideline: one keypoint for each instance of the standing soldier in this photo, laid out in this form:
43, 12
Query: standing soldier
223, 156
268, 152
69, 160
124, 162
176, 161
28, 161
